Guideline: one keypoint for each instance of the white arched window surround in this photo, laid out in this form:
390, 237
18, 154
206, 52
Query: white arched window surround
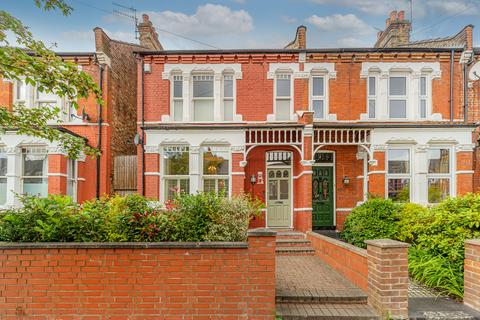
414, 73
188, 71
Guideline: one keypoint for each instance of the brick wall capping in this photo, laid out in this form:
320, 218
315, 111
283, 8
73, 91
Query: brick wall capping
474, 242
262, 232
122, 245
387, 243
342, 244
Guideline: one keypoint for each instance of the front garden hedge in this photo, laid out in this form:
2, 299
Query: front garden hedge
437, 235
196, 218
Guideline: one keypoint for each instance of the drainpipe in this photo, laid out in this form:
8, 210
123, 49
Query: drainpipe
452, 58
100, 121
143, 125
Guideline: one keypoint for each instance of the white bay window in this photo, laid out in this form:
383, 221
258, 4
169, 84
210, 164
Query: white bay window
3, 176
203, 98
34, 171
216, 167
283, 96
72, 178
175, 165
439, 174
317, 100
398, 174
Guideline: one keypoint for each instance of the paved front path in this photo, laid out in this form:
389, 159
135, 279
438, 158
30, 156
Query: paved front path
308, 276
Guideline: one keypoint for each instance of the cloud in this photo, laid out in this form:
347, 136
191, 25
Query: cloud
454, 7
209, 19
351, 42
374, 7
339, 23
240, 1
288, 20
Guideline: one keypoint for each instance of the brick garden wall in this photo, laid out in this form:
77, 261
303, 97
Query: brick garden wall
144, 280
345, 258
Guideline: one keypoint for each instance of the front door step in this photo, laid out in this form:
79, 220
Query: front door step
296, 311
320, 297
303, 251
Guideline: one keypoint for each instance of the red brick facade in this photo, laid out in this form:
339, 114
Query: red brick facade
360, 167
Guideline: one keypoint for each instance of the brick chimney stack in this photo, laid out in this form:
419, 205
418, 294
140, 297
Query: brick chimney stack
148, 35
300, 41
396, 33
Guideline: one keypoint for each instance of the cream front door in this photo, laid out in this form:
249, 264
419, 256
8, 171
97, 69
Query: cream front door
279, 197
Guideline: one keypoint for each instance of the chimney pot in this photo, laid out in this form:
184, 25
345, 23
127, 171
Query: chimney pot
393, 16
401, 15
145, 17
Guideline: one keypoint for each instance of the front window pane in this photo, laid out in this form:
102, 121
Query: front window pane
273, 190
209, 185
203, 110
178, 110
228, 87
371, 86
35, 186
399, 189
283, 87
284, 193
34, 164
283, 110
398, 86
21, 90
371, 109
3, 164
177, 88
398, 109
228, 110
215, 162
202, 86
399, 161
318, 86
175, 186
46, 96
438, 161
423, 86
438, 189
176, 163
223, 186
318, 109
3, 191
423, 108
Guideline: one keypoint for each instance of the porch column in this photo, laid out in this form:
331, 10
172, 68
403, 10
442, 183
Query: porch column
152, 173
57, 171
464, 169
302, 212
14, 159
194, 169
376, 173
238, 172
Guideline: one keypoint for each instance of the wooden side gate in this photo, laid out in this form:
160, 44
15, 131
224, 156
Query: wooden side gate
125, 175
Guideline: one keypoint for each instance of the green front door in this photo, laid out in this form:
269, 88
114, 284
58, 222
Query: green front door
322, 196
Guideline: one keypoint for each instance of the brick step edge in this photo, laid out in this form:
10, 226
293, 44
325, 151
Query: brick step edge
340, 299
294, 249
291, 235
293, 243
295, 311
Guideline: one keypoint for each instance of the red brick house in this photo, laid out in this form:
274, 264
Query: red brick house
39, 167
311, 132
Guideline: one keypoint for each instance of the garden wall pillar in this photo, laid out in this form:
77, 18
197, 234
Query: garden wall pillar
472, 274
388, 277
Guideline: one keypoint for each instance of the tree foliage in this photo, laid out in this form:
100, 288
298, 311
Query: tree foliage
35, 63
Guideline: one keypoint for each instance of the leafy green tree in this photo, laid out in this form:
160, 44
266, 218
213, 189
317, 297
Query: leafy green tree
39, 66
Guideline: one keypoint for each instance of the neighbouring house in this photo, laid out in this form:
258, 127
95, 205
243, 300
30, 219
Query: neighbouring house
311, 132
29, 165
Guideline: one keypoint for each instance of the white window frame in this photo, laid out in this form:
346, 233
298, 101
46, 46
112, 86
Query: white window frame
165, 178
409, 175
399, 97
319, 98
173, 99
193, 98
4, 153
373, 97
424, 97
72, 179
280, 75
217, 177
449, 175
36, 150
228, 76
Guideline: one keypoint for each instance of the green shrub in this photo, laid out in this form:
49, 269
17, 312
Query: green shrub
375, 219
200, 217
408, 217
